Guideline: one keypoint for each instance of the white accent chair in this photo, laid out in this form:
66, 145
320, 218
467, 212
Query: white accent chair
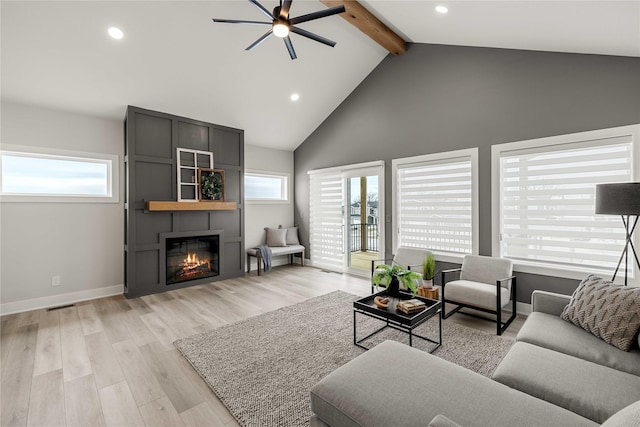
485, 284
407, 258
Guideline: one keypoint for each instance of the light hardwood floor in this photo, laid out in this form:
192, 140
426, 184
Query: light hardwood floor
111, 361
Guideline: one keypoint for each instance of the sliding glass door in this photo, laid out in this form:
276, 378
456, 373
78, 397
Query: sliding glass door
346, 212
362, 223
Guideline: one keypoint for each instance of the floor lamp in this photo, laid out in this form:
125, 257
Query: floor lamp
621, 199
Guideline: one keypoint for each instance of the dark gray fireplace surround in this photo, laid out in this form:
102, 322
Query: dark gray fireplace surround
151, 139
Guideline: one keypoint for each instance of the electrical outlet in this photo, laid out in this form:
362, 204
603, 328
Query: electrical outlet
55, 280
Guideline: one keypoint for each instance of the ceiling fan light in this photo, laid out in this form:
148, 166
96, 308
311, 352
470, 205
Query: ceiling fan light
115, 33
281, 29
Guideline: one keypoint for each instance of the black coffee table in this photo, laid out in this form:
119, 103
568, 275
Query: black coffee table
396, 319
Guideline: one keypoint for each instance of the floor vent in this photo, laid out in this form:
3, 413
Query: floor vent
60, 307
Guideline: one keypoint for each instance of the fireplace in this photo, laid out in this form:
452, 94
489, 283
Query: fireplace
191, 256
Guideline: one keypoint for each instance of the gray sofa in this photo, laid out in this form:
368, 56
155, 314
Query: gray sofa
556, 374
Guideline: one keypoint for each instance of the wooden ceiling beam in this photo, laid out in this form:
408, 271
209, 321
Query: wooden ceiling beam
365, 21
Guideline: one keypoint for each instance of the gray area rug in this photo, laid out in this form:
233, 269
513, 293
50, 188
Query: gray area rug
262, 368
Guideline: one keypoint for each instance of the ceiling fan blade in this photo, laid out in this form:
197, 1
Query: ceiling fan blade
292, 52
262, 9
312, 36
284, 9
237, 21
316, 15
260, 40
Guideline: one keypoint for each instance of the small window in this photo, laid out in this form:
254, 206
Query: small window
45, 177
266, 187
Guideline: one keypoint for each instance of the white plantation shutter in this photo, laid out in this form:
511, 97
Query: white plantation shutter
547, 197
435, 203
326, 221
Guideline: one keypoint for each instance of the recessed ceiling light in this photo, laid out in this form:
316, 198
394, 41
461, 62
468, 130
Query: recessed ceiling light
295, 97
442, 9
116, 33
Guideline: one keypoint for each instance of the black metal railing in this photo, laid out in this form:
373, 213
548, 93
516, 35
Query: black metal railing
370, 231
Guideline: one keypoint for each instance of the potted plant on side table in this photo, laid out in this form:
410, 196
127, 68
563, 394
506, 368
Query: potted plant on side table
427, 289
428, 270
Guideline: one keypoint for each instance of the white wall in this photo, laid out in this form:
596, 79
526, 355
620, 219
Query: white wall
261, 215
80, 242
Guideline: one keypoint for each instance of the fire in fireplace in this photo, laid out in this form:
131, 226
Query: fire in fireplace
190, 258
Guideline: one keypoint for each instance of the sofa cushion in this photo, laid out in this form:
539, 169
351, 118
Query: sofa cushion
549, 331
276, 237
627, 417
317, 422
287, 250
475, 293
607, 310
549, 302
397, 385
593, 391
442, 421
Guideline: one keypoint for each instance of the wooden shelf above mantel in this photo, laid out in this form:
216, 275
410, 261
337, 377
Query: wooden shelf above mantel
191, 206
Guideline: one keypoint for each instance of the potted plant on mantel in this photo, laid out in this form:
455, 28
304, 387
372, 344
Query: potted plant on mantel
393, 277
428, 270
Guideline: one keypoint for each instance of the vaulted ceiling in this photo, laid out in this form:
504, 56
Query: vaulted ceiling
173, 58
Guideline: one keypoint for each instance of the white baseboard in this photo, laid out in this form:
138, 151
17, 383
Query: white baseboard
58, 300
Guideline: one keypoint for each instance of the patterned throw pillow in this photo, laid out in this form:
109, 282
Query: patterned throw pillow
610, 312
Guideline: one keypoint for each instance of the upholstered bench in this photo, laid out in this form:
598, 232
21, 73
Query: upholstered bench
281, 241
276, 251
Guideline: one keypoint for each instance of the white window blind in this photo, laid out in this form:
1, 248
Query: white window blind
547, 197
435, 205
326, 221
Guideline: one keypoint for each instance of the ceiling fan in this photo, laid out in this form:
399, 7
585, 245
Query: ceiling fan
282, 25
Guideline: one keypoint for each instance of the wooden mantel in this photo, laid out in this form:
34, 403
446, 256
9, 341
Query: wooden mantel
191, 206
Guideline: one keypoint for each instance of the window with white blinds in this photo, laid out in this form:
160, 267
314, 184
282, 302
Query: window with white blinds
326, 221
546, 200
435, 202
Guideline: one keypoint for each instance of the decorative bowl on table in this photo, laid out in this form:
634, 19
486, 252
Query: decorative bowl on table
381, 302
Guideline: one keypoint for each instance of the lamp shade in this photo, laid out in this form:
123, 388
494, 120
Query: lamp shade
618, 199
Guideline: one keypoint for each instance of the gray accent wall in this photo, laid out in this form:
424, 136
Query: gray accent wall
151, 139
438, 98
